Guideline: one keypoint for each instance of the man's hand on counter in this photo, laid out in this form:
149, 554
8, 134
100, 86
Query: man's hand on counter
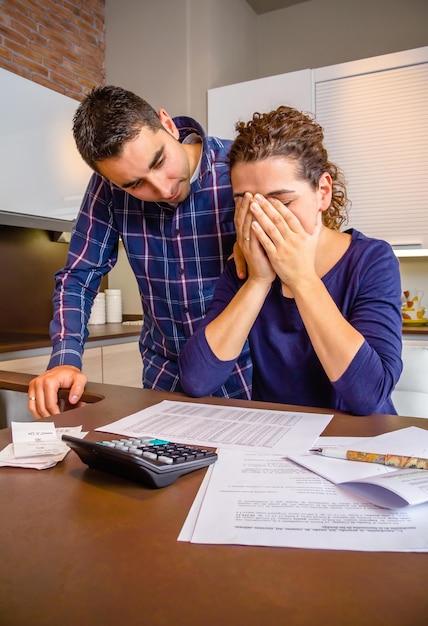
43, 391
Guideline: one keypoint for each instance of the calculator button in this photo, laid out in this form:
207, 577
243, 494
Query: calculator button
166, 459
150, 455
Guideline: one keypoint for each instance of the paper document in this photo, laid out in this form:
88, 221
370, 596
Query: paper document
385, 486
215, 425
267, 500
411, 441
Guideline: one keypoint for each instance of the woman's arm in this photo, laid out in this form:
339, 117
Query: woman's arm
227, 333
209, 355
297, 257
360, 349
201, 371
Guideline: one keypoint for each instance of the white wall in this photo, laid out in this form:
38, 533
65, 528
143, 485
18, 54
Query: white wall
145, 51
172, 51
327, 32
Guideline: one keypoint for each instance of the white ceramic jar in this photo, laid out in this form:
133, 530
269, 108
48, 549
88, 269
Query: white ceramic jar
98, 311
113, 306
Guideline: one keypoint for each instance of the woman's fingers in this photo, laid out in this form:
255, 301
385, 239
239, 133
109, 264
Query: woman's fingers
243, 219
271, 210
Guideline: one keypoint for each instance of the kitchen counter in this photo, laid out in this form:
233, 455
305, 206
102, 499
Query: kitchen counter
416, 330
114, 333
11, 342
106, 333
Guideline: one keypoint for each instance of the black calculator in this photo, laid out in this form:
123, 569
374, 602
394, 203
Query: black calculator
152, 462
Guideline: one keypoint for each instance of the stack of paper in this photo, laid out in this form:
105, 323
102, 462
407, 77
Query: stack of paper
269, 500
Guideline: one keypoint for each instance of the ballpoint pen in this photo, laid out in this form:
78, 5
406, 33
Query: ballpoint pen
394, 460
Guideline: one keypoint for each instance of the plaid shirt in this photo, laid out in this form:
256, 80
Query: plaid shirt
176, 255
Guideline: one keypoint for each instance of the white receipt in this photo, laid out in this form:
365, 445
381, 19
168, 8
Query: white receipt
34, 439
39, 460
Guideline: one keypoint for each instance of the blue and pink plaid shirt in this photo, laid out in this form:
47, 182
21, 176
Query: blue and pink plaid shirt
176, 254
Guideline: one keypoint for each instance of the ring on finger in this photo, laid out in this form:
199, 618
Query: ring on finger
31, 399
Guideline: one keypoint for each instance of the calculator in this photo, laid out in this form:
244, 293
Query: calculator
152, 462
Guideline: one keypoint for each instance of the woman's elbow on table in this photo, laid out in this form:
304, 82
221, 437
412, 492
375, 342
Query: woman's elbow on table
200, 372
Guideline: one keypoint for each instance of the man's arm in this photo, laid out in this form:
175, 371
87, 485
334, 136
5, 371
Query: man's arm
92, 253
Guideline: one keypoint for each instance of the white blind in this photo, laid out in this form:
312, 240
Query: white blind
376, 131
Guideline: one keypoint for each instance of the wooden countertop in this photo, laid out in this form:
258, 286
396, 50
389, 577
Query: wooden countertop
39, 338
78, 546
416, 330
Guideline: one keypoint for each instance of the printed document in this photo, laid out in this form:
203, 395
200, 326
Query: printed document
212, 425
268, 500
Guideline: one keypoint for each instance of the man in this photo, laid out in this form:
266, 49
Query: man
163, 187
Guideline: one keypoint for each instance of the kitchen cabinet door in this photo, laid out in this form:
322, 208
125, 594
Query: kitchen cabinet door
37, 147
92, 364
122, 364
227, 105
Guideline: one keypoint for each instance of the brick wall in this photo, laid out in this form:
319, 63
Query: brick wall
56, 43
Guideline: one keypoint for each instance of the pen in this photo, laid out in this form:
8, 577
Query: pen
394, 460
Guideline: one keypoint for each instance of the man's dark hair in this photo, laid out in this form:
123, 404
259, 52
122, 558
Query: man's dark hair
106, 119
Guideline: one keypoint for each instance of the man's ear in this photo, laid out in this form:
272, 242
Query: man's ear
168, 123
325, 190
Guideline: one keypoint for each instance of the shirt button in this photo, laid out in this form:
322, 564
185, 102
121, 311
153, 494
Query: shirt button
176, 231
186, 309
181, 270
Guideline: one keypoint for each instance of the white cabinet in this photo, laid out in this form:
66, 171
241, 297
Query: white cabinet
122, 365
227, 105
92, 364
118, 364
37, 146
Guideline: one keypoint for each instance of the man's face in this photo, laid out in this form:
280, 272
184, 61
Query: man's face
154, 166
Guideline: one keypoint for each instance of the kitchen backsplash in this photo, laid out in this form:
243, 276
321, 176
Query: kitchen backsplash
29, 259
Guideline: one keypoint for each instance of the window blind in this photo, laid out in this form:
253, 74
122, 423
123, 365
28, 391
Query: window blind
376, 131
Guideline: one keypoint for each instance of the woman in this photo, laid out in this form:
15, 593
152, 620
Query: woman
321, 308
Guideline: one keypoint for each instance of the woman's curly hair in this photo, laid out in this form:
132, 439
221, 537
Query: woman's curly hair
289, 133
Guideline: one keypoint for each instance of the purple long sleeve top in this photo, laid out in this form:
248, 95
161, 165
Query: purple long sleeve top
365, 285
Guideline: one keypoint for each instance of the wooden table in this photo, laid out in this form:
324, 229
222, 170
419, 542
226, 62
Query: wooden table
79, 547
